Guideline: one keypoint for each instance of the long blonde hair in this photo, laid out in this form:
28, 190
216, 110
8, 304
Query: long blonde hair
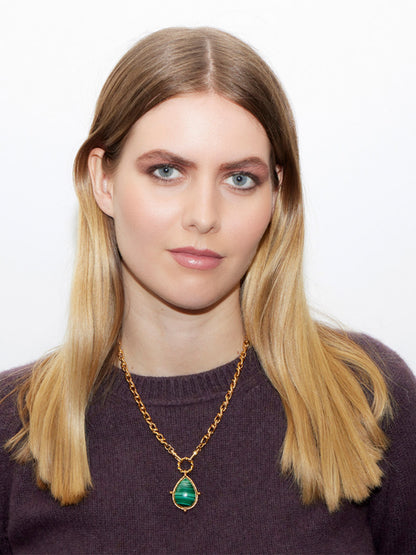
334, 441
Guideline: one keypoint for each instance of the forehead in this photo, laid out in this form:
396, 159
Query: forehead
200, 125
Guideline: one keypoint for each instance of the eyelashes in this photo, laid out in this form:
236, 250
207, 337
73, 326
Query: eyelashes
239, 180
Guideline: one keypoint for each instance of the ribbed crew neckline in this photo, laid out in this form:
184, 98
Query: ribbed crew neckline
189, 388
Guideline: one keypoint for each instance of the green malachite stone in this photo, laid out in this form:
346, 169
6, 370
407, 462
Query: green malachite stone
185, 493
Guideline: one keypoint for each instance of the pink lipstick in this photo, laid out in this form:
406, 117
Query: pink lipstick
189, 257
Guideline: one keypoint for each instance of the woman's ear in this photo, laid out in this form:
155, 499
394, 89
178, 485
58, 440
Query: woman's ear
279, 175
101, 185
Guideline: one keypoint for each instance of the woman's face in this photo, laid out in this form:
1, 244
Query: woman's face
191, 198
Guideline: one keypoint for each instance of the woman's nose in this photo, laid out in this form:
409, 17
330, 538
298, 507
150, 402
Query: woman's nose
202, 207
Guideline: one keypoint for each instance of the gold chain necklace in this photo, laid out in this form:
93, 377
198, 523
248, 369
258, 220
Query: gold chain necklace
184, 494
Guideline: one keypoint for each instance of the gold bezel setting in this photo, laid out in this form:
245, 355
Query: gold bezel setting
197, 494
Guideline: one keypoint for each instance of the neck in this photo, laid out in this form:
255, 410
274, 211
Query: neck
159, 340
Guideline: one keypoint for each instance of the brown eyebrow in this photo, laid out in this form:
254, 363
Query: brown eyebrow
246, 163
172, 158
168, 156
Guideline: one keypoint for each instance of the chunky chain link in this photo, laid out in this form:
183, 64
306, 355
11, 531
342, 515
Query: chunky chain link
159, 436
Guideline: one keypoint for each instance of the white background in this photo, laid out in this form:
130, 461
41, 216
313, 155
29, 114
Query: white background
349, 70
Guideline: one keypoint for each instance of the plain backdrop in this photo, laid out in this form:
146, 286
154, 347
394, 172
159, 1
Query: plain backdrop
349, 71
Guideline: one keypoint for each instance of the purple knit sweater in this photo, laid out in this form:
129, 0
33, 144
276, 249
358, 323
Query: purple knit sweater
245, 505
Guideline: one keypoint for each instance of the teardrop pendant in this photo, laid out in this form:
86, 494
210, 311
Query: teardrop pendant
184, 494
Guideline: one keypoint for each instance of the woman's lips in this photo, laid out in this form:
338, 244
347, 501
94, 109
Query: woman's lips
189, 257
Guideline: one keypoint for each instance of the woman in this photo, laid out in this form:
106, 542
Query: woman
190, 249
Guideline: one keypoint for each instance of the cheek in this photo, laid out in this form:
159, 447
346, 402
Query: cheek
138, 219
252, 226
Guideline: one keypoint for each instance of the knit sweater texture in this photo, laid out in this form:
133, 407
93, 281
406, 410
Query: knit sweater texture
246, 506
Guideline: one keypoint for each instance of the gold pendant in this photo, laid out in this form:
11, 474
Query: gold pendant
184, 494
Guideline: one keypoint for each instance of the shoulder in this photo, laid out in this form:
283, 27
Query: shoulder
10, 381
399, 378
10, 424
401, 427
392, 508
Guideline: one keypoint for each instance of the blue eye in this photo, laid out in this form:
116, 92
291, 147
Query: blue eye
166, 172
241, 181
